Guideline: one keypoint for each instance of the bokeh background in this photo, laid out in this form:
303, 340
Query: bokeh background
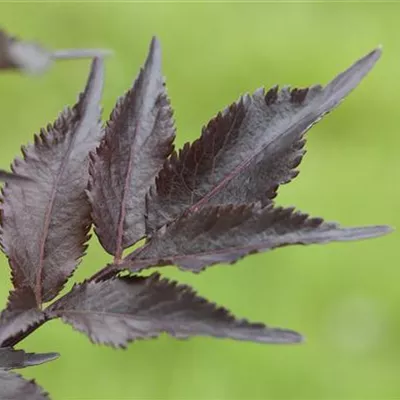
344, 298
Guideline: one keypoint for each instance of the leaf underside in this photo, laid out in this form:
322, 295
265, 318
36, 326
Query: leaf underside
138, 139
248, 150
15, 387
120, 310
45, 225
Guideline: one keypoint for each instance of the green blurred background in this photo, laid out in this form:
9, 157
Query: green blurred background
345, 298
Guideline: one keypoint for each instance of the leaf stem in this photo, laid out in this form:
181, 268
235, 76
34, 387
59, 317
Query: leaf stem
68, 54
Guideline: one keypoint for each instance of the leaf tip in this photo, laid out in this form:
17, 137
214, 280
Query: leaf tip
285, 336
294, 337
385, 229
374, 55
97, 67
154, 51
155, 43
52, 356
366, 63
380, 230
367, 232
37, 359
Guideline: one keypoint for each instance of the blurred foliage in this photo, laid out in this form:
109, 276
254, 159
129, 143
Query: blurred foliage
344, 297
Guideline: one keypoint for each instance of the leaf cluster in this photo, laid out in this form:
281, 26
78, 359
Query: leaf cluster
211, 202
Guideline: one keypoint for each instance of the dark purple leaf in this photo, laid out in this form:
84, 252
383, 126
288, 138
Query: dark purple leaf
32, 58
119, 310
217, 234
15, 387
249, 149
15, 323
18, 319
138, 140
45, 225
11, 358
